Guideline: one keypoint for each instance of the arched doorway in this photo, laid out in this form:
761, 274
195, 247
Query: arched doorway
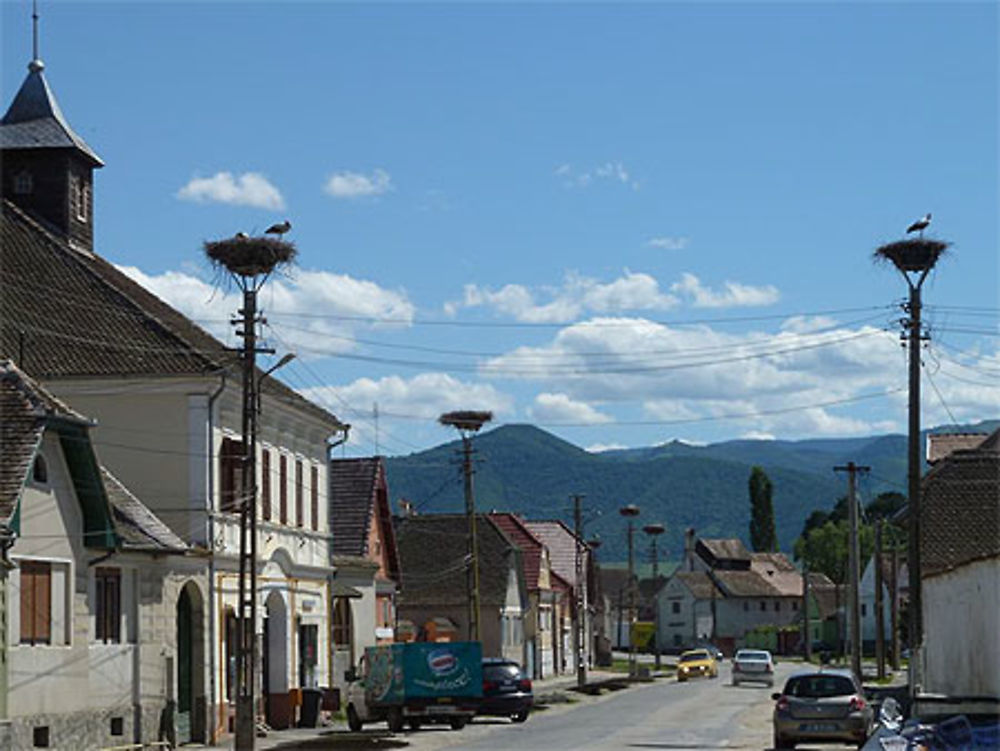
275, 665
190, 715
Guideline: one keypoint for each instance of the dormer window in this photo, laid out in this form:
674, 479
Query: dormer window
23, 183
80, 198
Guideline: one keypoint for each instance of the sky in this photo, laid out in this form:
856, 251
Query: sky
625, 224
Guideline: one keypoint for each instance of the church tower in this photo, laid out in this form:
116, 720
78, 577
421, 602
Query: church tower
45, 168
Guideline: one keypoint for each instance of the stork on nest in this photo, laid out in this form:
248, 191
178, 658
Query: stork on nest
250, 256
917, 254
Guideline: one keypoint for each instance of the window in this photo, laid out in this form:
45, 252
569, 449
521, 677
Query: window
675, 607
23, 183
108, 610
265, 484
864, 609
84, 214
763, 605
283, 489
308, 654
299, 510
36, 602
314, 496
795, 604
231, 474
342, 622
746, 607
777, 606
40, 470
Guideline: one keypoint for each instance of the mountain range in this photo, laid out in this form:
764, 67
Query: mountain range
526, 470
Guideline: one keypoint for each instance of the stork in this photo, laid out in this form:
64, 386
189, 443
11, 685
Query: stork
920, 225
279, 229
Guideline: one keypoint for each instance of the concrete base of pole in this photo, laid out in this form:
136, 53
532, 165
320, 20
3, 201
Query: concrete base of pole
246, 724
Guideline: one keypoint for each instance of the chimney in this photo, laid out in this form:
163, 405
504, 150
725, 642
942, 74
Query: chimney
689, 548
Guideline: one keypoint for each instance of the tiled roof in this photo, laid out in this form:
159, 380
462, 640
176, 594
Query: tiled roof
137, 527
960, 508
25, 408
531, 547
939, 445
754, 584
699, 583
613, 581
725, 549
562, 545
432, 552
105, 324
352, 498
34, 120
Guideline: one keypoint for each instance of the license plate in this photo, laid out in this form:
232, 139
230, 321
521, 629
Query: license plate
820, 727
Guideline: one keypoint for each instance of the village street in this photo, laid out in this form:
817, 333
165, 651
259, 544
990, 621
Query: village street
664, 714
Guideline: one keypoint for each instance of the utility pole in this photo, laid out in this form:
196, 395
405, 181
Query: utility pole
579, 601
250, 261
468, 423
807, 637
630, 511
879, 614
914, 259
853, 557
894, 607
654, 531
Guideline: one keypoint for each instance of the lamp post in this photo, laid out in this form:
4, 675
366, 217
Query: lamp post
630, 511
654, 531
914, 260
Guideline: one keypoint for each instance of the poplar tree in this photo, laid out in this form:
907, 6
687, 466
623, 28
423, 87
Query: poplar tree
763, 534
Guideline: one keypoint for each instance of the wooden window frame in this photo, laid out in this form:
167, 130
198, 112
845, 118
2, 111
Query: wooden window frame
265, 484
231, 458
108, 605
36, 602
314, 497
299, 499
283, 489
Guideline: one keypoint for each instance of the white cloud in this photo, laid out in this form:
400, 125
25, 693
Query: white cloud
550, 408
612, 172
668, 243
807, 324
358, 185
597, 448
248, 189
733, 294
577, 296
425, 396
309, 311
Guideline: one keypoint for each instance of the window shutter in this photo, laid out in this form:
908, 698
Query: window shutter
298, 493
283, 489
314, 506
265, 484
36, 602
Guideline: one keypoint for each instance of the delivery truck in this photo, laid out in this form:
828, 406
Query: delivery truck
415, 683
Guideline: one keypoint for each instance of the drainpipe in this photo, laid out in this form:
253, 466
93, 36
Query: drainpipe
212, 398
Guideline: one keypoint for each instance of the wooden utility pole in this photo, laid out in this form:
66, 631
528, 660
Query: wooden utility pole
894, 608
631, 511
806, 636
879, 605
654, 531
579, 602
853, 558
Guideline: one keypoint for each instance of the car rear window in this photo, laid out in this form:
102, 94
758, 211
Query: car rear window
750, 655
500, 672
819, 686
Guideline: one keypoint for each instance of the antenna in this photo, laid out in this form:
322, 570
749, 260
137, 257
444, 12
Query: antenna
375, 415
34, 29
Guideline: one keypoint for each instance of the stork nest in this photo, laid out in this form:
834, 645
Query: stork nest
465, 419
250, 256
912, 255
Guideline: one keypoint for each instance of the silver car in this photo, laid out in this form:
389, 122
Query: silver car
821, 705
753, 665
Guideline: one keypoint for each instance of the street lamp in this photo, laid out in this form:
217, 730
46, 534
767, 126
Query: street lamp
630, 511
654, 531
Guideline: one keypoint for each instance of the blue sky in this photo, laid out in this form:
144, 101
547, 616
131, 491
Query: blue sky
623, 223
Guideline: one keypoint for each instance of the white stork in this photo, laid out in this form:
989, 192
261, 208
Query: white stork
920, 225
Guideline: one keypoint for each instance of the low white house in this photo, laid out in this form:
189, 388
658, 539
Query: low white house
95, 625
687, 609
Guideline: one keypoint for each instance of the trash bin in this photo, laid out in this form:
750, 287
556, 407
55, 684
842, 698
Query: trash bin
309, 712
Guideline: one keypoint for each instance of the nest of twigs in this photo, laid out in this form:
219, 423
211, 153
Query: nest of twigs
912, 255
250, 256
465, 419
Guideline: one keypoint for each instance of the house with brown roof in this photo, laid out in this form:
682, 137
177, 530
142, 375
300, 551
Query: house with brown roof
100, 591
960, 573
435, 580
544, 628
168, 403
361, 525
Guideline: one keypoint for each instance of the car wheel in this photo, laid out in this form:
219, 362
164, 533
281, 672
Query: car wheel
520, 716
736, 681
414, 723
457, 723
353, 721
780, 742
394, 719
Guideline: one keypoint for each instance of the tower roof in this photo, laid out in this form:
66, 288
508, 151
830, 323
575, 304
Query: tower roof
34, 120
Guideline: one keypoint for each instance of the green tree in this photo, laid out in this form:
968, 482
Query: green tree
824, 549
763, 533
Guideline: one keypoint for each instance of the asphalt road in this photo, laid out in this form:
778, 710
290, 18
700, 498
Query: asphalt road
699, 714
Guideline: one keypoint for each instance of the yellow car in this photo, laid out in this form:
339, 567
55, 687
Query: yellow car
695, 663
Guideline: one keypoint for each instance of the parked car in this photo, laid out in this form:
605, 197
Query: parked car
506, 690
712, 650
696, 662
821, 705
753, 665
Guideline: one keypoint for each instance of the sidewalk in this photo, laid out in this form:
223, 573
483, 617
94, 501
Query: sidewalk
546, 690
